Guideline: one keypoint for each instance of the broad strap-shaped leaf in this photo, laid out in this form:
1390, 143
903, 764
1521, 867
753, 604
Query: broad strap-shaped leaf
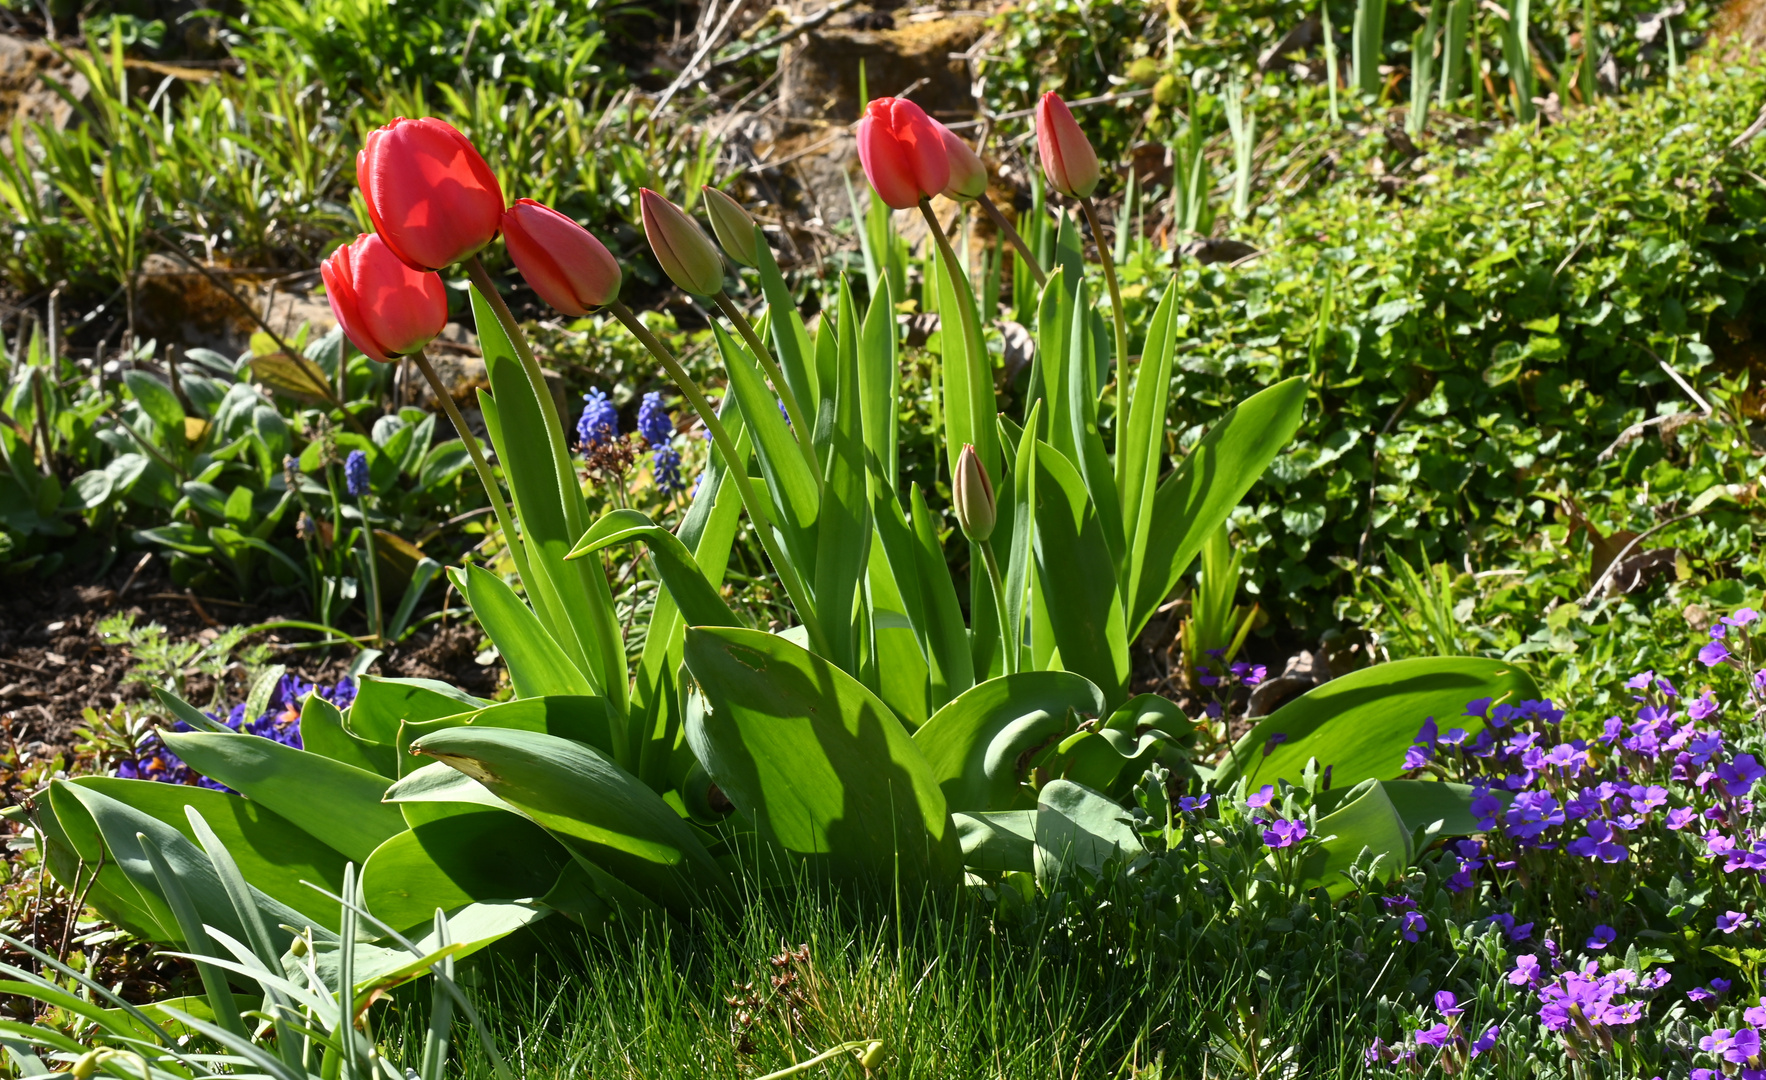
816, 761
1361, 724
1075, 578
947, 640
796, 494
1205, 487
1091, 461
1054, 322
879, 381
549, 503
1078, 829
790, 336
335, 803
1000, 841
975, 745
1135, 732
538, 665
322, 732
381, 705
1140, 435
274, 854
694, 596
843, 529
474, 857
597, 809
1365, 820
1021, 563
707, 530
1432, 809
967, 370
84, 808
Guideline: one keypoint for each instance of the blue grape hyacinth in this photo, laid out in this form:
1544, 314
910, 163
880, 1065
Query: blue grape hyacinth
355, 473
658, 429
599, 423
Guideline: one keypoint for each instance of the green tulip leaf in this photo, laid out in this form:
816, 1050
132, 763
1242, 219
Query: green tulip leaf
1361, 723
335, 803
1079, 829
1365, 820
1076, 579
1001, 841
816, 761
601, 812
977, 744
382, 704
484, 855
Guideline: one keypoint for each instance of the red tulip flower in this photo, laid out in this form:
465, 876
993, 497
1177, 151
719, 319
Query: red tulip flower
565, 264
1067, 157
902, 152
968, 176
429, 192
386, 308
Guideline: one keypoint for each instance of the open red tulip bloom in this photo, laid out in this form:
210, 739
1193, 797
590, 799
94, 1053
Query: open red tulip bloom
902, 152
565, 264
429, 192
1067, 157
386, 308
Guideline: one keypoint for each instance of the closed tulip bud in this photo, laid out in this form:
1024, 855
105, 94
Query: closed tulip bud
903, 155
429, 192
384, 306
687, 255
1067, 157
565, 264
973, 494
968, 176
733, 226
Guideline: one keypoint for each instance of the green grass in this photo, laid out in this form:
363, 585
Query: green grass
952, 995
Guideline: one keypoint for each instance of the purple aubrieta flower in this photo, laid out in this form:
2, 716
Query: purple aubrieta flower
1603, 936
1640, 681
1703, 706
1680, 817
355, 473
1191, 804
1731, 921
1526, 970
1417, 757
1478, 707
1284, 833
1413, 926
1261, 797
1487, 1040
1274, 741
1436, 1036
1741, 618
1713, 654
1447, 1004
1755, 1014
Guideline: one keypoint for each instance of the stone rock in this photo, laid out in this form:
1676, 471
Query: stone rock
1304, 671
24, 95
176, 304
819, 71
1742, 22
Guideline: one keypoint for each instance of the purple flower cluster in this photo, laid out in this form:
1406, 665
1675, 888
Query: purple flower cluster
1586, 1001
1443, 1036
658, 430
599, 423
1220, 677
1738, 1047
355, 473
280, 722
1594, 799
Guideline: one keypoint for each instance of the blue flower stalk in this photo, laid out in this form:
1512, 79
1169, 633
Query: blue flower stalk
657, 429
355, 479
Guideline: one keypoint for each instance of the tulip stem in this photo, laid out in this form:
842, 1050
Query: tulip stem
1008, 632
573, 506
799, 426
515, 544
1010, 233
738, 471
1109, 265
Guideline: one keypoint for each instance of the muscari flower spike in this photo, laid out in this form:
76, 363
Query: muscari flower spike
599, 423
